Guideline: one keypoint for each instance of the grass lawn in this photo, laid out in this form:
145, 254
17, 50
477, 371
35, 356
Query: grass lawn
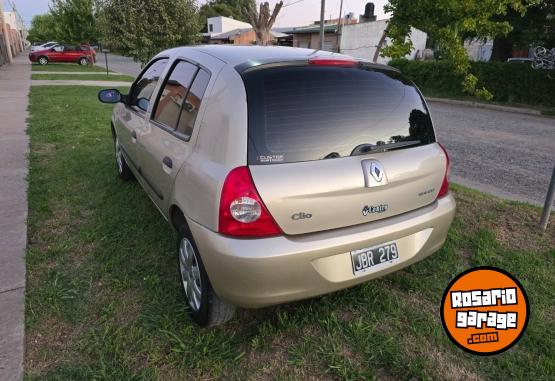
66, 67
84, 77
103, 299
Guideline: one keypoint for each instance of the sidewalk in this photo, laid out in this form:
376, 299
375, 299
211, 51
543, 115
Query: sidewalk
14, 146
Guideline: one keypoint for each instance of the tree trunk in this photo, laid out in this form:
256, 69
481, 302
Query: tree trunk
380, 45
262, 22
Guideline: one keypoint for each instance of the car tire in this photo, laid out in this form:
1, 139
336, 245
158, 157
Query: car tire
83, 61
123, 169
205, 307
42, 60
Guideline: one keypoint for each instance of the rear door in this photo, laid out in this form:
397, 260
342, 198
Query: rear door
332, 146
164, 144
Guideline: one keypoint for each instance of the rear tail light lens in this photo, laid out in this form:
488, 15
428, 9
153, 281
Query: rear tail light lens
444, 190
342, 62
242, 212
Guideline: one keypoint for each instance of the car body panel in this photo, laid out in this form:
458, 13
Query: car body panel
261, 272
333, 192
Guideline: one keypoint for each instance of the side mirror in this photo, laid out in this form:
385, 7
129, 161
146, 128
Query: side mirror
110, 96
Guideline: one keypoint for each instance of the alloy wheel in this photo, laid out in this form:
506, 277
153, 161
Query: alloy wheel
190, 274
119, 156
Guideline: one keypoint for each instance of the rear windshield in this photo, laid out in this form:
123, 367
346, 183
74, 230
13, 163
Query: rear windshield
304, 113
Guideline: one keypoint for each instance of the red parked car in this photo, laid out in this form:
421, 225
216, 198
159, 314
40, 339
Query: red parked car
82, 55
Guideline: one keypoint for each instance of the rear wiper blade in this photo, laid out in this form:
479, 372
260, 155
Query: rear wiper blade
365, 148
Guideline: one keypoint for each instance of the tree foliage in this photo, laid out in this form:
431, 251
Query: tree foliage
236, 9
142, 28
448, 23
262, 21
74, 21
42, 28
535, 28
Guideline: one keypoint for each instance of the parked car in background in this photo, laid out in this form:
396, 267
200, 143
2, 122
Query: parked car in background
288, 173
45, 46
82, 55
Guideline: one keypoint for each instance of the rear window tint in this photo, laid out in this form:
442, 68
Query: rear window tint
309, 113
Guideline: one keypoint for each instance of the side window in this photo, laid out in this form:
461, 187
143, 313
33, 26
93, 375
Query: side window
174, 93
191, 106
144, 87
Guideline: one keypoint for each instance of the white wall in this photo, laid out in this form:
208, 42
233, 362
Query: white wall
360, 40
479, 50
222, 24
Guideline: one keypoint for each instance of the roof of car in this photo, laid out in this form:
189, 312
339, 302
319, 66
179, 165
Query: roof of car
238, 54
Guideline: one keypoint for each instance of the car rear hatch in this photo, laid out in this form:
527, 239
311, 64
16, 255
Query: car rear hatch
333, 145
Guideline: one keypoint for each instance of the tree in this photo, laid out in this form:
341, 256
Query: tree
142, 28
42, 28
448, 23
74, 21
536, 27
236, 9
262, 21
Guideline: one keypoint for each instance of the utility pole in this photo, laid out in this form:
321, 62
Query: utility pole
5, 33
548, 202
322, 10
339, 27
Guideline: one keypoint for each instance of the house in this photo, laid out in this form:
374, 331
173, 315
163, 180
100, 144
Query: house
361, 39
309, 36
225, 30
221, 24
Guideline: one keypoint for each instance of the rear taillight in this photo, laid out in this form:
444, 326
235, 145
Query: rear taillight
242, 212
444, 190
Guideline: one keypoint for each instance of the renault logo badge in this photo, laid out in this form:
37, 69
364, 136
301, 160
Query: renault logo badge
376, 171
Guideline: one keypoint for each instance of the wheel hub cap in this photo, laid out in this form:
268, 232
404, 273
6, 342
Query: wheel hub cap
190, 273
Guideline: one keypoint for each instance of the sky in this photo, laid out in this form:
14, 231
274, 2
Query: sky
300, 13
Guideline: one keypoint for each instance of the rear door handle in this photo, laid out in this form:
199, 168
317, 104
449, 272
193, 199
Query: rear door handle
167, 162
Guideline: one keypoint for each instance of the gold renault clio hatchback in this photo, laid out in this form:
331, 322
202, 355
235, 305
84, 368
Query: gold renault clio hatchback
288, 173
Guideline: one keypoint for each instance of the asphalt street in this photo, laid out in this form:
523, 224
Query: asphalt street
124, 65
507, 154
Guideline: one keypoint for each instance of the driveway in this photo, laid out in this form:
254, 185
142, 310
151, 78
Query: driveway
507, 154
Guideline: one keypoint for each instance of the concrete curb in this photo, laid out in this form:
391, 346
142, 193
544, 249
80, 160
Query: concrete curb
519, 110
15, 82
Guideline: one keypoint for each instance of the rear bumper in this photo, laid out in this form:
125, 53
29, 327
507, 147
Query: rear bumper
262, 272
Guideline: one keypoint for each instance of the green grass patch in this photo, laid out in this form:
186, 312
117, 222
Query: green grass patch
67, 67
103, 299
84, 77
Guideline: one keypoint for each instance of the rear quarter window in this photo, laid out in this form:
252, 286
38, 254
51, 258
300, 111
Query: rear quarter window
304, 113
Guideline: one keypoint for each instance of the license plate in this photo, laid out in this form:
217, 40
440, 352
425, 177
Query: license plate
364, 260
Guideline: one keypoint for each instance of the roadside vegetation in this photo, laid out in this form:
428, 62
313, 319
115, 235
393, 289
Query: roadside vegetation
84, 77
103, 299
523, 86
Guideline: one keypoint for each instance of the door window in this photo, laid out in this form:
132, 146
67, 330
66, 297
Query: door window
191, 106
174, 93
145, 85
